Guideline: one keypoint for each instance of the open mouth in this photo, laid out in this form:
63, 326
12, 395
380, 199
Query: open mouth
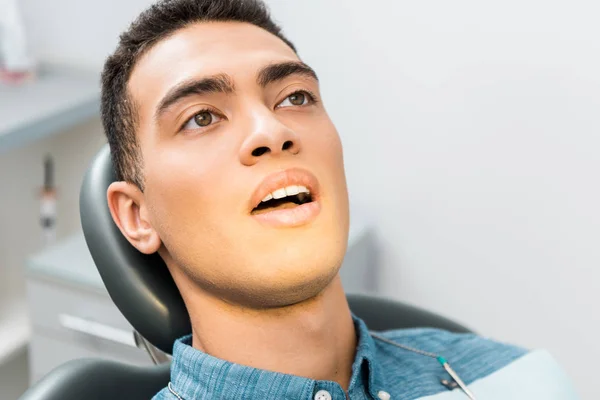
284, 198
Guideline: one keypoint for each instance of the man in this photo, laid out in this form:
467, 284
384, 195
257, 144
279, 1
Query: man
231, 170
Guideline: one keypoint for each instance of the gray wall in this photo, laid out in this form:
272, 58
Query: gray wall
471, 134
471, 137
21, 173
80, 33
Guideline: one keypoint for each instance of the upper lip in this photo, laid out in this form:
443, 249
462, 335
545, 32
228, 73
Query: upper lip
281, 179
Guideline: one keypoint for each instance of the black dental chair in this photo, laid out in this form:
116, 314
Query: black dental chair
144, 292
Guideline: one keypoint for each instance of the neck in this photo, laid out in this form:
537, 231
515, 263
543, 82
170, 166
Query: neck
313, 339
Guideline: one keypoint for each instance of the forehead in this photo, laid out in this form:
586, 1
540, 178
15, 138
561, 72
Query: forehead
205, 48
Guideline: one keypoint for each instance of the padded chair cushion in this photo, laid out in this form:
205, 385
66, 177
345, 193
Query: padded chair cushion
382, 314
100, 380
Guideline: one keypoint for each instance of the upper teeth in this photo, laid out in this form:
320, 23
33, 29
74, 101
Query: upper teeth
286, 191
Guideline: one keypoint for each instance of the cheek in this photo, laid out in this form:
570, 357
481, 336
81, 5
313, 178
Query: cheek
326, 147
185, 192
330, 151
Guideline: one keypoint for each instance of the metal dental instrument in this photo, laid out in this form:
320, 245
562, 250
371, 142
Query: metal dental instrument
440, 359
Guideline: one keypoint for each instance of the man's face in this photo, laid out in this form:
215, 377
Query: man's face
221, 127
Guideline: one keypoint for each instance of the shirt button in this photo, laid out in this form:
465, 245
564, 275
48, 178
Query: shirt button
383, 395
322, 395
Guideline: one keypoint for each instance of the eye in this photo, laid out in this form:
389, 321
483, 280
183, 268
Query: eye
201, 119
300, 98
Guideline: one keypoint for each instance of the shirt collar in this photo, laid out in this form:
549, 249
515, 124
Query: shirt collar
366, 359
195, 374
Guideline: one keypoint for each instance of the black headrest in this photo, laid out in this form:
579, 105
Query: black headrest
140, 285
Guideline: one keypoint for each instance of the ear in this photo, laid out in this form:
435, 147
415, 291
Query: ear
129, 211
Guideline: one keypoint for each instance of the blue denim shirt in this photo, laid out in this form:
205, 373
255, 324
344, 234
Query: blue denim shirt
379, 369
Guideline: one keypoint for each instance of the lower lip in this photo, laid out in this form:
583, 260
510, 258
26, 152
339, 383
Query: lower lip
290, 217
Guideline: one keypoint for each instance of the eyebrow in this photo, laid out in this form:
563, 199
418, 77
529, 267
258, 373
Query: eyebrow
220, 83
223, 83
279, 71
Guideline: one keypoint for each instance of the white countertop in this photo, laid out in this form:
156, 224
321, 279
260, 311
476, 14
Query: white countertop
56, 100
68, 261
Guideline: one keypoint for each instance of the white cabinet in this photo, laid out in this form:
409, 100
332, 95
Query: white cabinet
72, 315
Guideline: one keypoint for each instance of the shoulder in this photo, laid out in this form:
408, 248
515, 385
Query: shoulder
458, 344
475, 355
493, 369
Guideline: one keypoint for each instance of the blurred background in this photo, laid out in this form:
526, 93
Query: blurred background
471, 133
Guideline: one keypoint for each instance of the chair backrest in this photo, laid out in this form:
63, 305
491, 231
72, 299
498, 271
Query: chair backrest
99, 380
140, 285
145, 293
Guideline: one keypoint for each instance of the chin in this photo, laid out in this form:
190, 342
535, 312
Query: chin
286, 287
273, 270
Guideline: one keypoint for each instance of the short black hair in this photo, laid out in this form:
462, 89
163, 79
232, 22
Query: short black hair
119, 113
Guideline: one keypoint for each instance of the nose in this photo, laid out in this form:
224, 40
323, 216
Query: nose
268, 137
